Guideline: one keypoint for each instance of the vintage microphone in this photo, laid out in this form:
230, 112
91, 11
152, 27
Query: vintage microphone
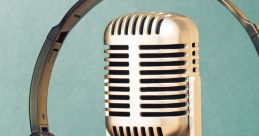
153, 84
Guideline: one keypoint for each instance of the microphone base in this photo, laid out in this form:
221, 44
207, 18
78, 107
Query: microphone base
42, 134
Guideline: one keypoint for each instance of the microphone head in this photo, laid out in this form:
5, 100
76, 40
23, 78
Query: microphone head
153, 85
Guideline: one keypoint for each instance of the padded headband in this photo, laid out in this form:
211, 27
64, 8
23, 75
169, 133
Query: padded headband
45, 63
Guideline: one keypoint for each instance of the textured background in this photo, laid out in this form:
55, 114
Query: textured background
229, 65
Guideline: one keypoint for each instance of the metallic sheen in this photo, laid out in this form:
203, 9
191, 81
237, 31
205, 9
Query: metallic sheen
147, 38
251, 28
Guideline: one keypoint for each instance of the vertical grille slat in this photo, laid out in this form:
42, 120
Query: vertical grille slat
151, 131
113, 27
137, 131
143, 131
141, 31
159, 26
126, 31
159, 131
134, 25
121, 131
120, 26
152, 25
115, 131
128, 131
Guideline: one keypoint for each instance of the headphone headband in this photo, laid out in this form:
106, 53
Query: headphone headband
251, 28
45, 63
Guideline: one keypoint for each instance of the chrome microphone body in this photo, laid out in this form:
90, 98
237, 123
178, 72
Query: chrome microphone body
152, 87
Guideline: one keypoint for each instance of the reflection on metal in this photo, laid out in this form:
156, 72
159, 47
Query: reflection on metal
152, 87
251, 28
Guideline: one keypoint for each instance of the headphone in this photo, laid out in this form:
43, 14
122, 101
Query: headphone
53, 43
252, 29
45, 63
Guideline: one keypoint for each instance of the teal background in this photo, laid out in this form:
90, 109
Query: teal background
229, 65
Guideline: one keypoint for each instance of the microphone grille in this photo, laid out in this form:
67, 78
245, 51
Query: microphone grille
143, 23
151, 57
132, 22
